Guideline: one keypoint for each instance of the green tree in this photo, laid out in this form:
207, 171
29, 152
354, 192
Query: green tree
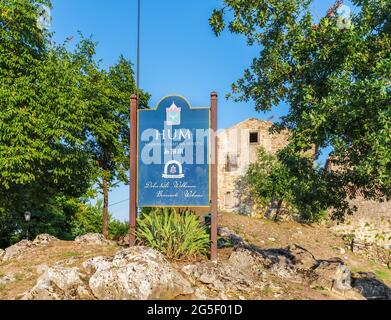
276, 183
335, 78
88, 219
268, 180
42, 152
108, 95
64, 123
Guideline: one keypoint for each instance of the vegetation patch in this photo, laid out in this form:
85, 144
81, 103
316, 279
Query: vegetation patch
177, 234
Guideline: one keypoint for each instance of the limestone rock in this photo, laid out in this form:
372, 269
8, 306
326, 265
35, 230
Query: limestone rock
97, 263
2, 253
221, 277
247, 260
294, 263
137, 273
208, 277
6, 279
44, 239
370, 287
123, 240
59, 284
333, 275
281, 263
200, 294
93, 238
230, 237
302, 258
17, 250
42, 268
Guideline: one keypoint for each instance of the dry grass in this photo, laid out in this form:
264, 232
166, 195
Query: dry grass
24, 269
316, 238
263, 233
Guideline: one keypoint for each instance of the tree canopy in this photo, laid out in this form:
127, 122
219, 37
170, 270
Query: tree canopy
64, 121
334, 75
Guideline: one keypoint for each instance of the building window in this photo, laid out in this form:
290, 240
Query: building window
254, 137
231, 163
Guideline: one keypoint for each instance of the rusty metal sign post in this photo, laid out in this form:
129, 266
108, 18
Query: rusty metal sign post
174, 182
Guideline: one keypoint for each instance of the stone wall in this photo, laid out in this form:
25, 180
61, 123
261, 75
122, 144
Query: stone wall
370, 224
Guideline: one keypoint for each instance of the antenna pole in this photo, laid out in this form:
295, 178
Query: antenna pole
138, 48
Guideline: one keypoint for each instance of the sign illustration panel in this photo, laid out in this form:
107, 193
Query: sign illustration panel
173, 155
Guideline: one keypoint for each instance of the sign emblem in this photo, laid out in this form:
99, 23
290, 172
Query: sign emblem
173, 115
173, 170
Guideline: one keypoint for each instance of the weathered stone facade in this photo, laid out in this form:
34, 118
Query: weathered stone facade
371, 224
237, 149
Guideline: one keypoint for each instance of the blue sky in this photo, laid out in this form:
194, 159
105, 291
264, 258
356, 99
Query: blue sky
179, 53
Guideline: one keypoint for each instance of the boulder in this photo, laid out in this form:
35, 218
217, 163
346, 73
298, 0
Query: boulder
247, 260
42, 268
370, 287
2, 253
6, 279
97, 263
93, 238
302, 258
294, 263
17, 250
281, 263
224, 277
123, 240
59, 283
44, 240
136, 273
230, 237
333, 275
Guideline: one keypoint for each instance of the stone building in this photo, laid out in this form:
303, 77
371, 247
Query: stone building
237, 148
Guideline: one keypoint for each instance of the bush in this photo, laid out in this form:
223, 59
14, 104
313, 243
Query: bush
289, 181
175, 234
89, 220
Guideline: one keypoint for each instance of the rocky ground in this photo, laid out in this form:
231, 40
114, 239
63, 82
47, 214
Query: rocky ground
259, 259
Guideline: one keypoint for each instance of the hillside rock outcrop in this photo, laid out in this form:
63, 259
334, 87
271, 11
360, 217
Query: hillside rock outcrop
93, 238
44, 240
370, 287
59, 283
141, 273
137, 273
17, 250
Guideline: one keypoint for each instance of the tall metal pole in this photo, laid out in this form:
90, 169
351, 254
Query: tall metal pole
134, 105
133, 169
214, 186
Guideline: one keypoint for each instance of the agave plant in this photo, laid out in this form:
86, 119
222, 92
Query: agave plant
175, 234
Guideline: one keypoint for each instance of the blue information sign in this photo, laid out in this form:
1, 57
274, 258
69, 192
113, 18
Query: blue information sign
173, 155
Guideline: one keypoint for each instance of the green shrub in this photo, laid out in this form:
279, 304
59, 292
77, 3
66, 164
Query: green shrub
175, 234
89, 220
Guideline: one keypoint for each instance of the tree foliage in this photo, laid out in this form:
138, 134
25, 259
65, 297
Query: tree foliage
274, 182
88, 219
334, 77
64, 122
107, 95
